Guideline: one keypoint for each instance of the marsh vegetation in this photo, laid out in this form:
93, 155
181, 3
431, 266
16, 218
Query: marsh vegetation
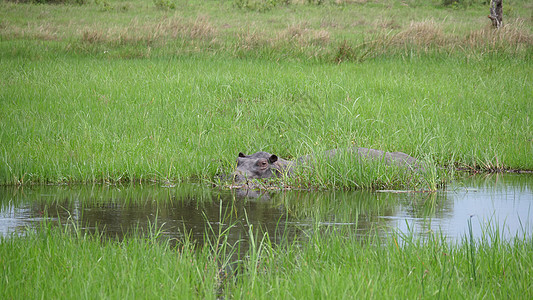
167, 92
85, 119
140, 93
196, 242
66, 264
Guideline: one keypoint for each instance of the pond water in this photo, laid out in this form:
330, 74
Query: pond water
502, 202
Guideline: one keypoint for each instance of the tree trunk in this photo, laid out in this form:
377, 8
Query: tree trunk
496, 13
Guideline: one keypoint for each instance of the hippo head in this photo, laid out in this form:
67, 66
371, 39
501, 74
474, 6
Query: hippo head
255, 166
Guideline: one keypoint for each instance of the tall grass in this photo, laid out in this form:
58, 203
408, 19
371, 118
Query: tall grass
53, 263
56, 263
330, 33
85, 119
111, 96
338, 266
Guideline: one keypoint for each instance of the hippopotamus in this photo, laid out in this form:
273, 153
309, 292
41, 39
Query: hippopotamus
261, 165
265, 165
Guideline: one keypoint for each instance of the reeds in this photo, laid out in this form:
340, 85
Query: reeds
93, 120
331, 263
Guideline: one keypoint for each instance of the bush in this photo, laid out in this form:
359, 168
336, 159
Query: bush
79, 2
260, 5
464, 3
315, 2
165, 4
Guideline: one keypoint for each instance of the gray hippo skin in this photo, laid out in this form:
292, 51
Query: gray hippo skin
260, 165
266, 165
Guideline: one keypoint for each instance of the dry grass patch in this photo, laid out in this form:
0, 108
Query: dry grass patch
45, 31
250, 40
338, 37
149, 33
423, 34
200, 28
428, 36
513, 35
91, 36
302, 35
381, 24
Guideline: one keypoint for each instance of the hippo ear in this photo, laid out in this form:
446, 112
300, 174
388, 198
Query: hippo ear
241, 154
272, 159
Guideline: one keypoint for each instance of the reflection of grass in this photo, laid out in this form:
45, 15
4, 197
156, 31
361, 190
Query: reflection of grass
339, 205
330, 264
90, 195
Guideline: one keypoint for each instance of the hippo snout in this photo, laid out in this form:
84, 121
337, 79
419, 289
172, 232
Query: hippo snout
237, 176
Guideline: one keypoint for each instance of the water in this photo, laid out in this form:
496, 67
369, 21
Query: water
497, 202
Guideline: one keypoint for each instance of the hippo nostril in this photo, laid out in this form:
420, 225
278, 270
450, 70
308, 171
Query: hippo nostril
238, 177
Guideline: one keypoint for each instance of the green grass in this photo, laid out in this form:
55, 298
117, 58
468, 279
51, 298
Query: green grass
345, 32
118, 91
134, 92
399, 267
52, 263
65, 263
82, 119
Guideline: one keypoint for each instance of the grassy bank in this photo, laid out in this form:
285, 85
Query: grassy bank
131, 90
59, 263
81, 119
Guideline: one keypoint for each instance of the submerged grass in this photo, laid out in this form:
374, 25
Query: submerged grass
55, 263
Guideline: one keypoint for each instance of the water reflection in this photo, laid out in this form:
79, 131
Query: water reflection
502, 201
192, 210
